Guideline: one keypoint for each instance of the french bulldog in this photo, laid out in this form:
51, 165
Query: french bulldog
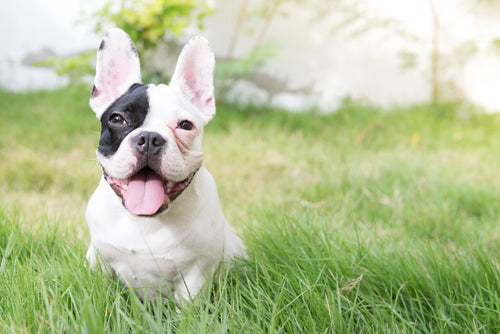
155, 219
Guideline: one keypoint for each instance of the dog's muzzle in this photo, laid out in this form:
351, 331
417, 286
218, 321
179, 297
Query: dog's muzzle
147, 192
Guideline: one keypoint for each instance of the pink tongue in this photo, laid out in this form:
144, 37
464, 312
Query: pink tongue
145, 193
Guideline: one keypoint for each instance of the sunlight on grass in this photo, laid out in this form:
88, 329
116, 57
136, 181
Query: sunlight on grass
358, 221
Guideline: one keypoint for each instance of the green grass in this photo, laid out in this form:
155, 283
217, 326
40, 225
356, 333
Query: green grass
359, 221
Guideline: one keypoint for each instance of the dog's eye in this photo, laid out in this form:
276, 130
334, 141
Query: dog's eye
186, 125
117, 119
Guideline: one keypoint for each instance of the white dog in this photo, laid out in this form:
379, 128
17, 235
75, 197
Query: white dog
155, 219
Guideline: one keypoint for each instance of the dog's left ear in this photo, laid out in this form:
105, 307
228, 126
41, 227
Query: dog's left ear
193, 76
117, 69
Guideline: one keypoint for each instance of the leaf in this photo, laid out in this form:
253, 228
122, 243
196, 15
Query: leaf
408, 59
466, 50
495, 46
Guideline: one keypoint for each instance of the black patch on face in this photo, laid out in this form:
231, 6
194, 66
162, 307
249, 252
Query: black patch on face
101, 46
132, 107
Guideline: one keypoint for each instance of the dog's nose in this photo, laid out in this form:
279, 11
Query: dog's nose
149, 142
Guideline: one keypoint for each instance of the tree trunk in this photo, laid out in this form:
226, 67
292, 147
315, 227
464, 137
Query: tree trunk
435, 57
236, 31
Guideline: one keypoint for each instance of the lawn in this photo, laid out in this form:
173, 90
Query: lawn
359, 221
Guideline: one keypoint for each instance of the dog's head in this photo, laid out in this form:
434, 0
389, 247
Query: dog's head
150, 146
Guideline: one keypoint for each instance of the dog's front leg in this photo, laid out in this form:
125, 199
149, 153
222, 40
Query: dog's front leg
96, 261
189, 284
92, 257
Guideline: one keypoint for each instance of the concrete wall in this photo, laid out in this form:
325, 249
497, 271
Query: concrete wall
315, 65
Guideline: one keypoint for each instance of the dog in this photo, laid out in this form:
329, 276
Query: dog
155, 219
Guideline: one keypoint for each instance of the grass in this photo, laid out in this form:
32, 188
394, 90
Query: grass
359, 221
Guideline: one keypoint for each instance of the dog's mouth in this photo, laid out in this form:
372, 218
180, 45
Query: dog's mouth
146, 193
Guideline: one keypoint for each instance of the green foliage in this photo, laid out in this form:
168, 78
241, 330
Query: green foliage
408, 59
495, 46
153, 24
447, 63
231, 70
242, 67
75, 67
149, 23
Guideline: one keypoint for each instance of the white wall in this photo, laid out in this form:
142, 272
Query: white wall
28, 26
335, 65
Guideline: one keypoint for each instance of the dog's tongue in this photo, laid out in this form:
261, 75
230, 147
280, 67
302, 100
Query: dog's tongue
145, 193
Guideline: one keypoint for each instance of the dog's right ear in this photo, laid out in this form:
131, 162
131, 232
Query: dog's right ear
117, 69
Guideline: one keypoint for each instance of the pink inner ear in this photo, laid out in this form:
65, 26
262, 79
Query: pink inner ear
200, 90
190, 78
117, 69
117, 74
194, 75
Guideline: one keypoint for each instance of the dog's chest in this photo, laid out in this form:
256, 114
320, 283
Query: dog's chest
140, 266
139, 252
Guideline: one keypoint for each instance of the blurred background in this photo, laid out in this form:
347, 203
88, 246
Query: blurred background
292, 54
